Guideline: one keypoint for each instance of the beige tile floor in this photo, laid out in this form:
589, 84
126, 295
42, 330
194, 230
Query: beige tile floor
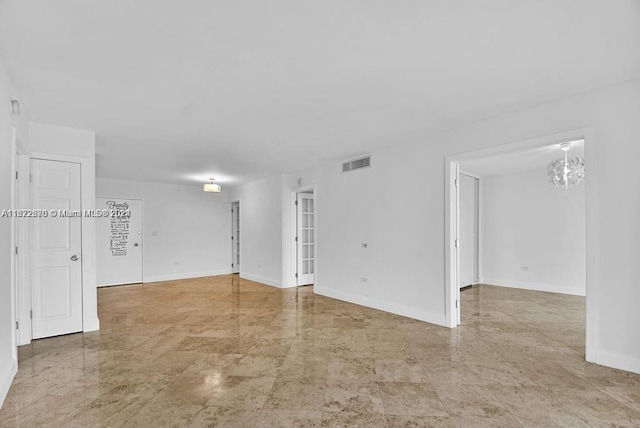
222, 351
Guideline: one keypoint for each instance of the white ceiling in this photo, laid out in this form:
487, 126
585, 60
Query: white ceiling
520, 161
178, 91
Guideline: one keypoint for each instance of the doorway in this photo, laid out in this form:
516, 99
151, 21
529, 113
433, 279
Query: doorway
119, 241
452, 220
469, 191
235, 237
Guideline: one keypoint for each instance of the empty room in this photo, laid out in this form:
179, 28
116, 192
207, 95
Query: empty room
319, 213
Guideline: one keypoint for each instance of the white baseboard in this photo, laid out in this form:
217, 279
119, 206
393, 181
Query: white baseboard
262, 279
619, 361
91, 325
385, 306
535, 286
7, 379
185, 275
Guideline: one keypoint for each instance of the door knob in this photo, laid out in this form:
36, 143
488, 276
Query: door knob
74, 258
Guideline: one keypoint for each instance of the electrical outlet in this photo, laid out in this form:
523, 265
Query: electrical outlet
364, 245
524, 268
364, 279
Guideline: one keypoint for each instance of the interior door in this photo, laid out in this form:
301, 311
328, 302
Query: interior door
235, 237
469, 189
306, 247
56, 248
119, 241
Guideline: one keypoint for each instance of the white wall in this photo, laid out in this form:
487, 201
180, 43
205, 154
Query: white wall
68, 144
187, 232
397, 206
264, 230
524, 221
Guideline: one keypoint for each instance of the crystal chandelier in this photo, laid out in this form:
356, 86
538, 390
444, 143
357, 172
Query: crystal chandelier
566, 172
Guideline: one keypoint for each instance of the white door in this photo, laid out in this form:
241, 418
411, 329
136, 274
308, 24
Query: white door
235, 237
469, 189
56, 248
306, 248
119, 241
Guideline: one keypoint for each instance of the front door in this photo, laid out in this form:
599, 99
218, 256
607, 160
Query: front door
119, 241
56, 248
306, 247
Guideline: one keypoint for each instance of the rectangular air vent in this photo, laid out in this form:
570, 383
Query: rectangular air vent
356, 164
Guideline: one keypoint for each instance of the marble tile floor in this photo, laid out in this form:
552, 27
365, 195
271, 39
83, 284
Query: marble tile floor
222, 351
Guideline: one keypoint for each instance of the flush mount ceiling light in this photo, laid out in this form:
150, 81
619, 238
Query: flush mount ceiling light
566, 172
212, 187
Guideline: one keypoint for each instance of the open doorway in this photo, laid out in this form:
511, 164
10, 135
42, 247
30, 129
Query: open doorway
469, 213
513, 156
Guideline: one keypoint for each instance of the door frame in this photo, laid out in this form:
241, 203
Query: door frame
142, 281
21, 191
234, 238
90, 321
19, 239
293, 215
591, 213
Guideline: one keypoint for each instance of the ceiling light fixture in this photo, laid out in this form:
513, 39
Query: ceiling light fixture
566, 172
212, 187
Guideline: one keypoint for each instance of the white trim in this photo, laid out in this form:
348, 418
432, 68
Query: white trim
480, 236
592, 243
24, 287
14, 259
115, 284
451, 167
185, 275
91, 324
535, 286
262, 279
619, 361
382, 305
7, 379
234, 268
293, 231
452, 290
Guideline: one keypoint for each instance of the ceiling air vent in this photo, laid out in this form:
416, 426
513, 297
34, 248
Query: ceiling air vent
356, 164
